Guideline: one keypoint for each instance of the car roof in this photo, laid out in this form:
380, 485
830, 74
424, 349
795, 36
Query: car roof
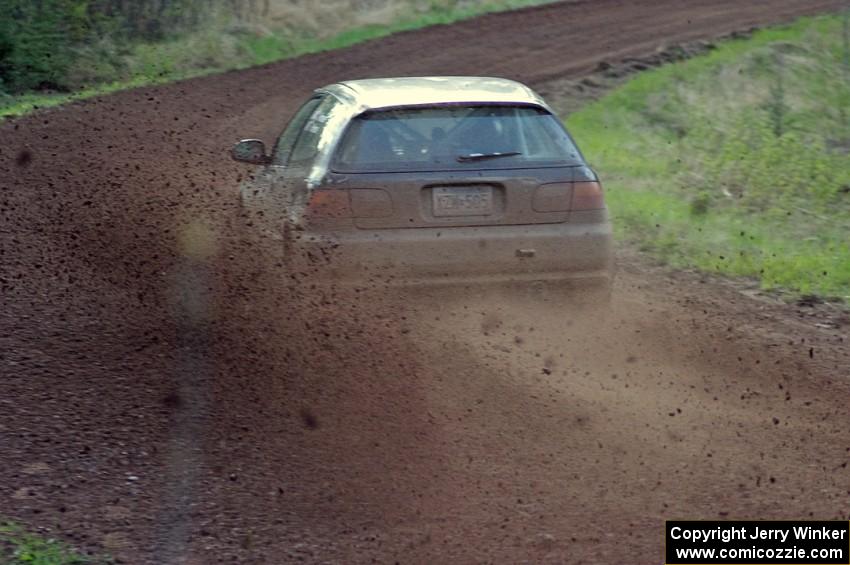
375, 93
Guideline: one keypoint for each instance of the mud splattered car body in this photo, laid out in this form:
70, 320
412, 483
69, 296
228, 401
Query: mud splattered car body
430, 180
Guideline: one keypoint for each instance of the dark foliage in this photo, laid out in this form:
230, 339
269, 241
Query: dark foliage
38, 37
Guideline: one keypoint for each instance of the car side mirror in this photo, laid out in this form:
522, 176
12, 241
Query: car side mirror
250, 151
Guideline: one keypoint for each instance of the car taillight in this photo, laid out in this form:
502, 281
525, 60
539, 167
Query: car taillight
587, 195
327, 205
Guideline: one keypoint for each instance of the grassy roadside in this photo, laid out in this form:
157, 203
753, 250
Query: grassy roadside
109, 68
738, 161
18, 547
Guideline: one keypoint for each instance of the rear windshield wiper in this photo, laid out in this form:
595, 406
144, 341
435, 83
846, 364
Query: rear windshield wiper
482, 156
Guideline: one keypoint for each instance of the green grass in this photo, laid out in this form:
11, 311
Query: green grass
18, 547
738, 161
106, 67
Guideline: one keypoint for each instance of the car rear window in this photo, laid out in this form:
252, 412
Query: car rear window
454, 138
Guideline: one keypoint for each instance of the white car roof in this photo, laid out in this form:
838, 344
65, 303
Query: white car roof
368, 94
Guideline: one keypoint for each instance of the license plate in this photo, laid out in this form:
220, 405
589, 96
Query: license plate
463, 200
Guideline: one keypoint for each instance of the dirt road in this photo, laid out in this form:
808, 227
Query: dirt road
161, 398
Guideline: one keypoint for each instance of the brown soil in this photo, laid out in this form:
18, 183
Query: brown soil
165, 398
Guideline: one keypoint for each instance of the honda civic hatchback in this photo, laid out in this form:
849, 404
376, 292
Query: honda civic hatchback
425, 181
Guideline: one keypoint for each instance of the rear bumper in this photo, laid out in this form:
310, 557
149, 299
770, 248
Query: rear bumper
572, 253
